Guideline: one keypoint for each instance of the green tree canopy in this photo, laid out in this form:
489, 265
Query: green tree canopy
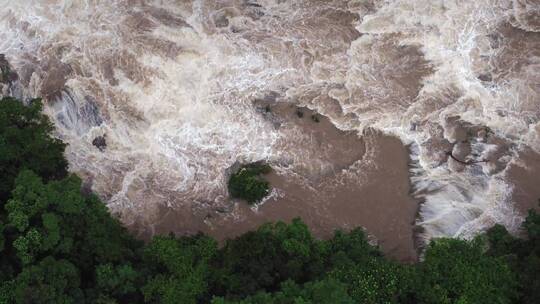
523, 255
263, 259
457, 271
317, 292
26, 143
178, 269
55, 223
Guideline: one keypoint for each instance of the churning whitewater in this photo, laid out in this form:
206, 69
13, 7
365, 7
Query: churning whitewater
171, 88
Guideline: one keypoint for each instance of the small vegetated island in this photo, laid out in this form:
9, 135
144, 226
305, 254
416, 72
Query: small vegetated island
248, 183
59, 244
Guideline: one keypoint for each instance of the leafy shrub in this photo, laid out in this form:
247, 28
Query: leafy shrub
248, 184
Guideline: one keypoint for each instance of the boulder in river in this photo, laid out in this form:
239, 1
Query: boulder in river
100, 143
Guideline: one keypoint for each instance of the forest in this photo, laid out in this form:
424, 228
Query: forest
59, 244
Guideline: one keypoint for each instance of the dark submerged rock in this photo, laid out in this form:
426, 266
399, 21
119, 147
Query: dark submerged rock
485, 77
6, 74
100, 143
221, 21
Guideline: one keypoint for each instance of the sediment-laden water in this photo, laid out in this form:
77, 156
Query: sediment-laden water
174, 88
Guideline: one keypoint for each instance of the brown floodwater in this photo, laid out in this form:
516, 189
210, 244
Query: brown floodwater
524, 175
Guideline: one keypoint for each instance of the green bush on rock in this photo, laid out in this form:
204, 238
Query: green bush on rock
247, 183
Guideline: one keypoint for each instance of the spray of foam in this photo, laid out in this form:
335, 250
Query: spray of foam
169, 86
472, 112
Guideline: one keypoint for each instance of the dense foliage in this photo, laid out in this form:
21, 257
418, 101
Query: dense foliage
60, 245
247, 183
25, 144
